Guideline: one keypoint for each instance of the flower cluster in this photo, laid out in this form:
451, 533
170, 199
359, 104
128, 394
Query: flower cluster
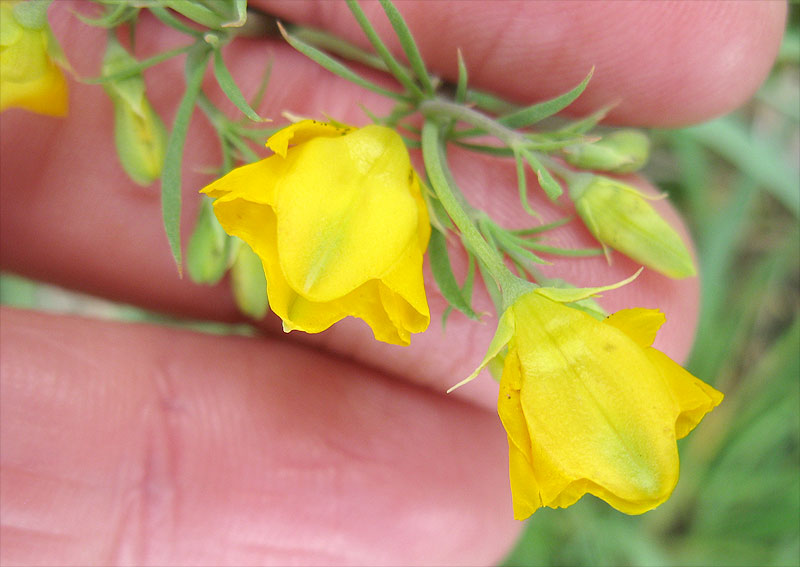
336, 223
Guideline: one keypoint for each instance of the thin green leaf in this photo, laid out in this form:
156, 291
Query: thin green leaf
535, 113
139, 66
240, 9
443, 274
168, 19
231, 90
337, 46
489, 102
541, 228
195, 12
522, 185
582, 126
461, 85
258, 98
409, 45
112, 18
510, 246
395, 68
196, 63
501, 151
567, 252
491, 287
550, 186
334, 66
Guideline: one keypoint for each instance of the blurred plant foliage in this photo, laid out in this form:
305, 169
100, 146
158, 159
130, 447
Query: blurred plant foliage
738, 502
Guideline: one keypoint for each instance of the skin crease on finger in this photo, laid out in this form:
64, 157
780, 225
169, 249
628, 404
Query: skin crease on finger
196, 449
69, 215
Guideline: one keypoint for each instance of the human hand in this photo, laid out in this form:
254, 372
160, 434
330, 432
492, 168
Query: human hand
140, 444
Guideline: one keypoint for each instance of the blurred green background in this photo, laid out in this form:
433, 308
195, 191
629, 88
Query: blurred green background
738, 501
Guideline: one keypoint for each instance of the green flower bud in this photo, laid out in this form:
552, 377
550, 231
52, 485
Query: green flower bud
249, 283
622, 151
209, 250
620, 217
139, 133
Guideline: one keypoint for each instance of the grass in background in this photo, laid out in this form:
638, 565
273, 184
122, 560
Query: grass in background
738, 501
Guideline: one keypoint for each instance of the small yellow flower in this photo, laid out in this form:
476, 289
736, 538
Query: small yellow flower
338, 220
29, 78
590, 407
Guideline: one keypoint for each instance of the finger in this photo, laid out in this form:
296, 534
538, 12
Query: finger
69, 215
665, 63
131, 444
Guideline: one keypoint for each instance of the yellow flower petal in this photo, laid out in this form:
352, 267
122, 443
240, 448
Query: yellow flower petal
369, 219
527, 498
29, 78
639, 324
303, 131
340, 226
590, 407
695, 397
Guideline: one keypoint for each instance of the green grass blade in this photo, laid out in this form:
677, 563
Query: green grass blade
756, 158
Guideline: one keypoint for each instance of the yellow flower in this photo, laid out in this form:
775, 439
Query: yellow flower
590, 407
340, 225
29, 78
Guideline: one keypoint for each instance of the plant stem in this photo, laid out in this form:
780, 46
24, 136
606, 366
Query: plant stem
432, 151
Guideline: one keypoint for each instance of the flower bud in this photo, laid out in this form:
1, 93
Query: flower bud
208, 253
139, 133
29, 77
619, 152
620, 217
248, 282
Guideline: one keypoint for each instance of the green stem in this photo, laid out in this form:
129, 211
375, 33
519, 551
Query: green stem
432, 152
443, 108
511, 138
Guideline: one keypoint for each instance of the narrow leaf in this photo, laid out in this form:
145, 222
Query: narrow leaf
541, 228
535, 113
240, 8
461, 85
409, 45
334, 66
395, 68
195, 12
196, 63
549, 185
443, 274
231, 90
138, 67
522, 185
168, 19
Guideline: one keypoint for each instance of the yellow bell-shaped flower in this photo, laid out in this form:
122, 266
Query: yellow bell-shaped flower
590, 407
338, 220
29, 78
